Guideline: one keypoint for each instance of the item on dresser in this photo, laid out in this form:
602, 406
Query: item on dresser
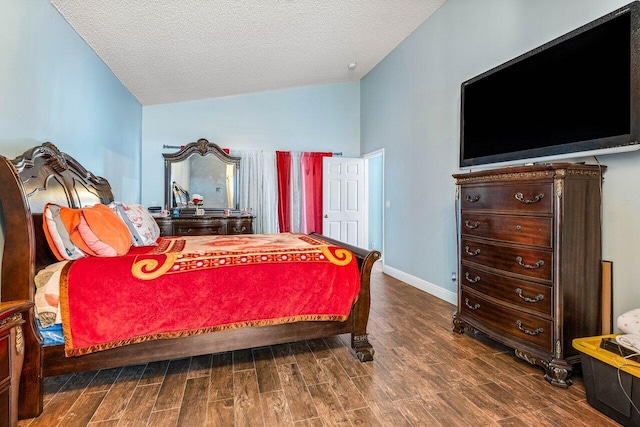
530, 260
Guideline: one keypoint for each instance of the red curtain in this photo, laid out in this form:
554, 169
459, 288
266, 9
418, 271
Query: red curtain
311, 177
283, 164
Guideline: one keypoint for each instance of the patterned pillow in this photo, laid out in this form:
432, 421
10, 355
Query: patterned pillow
143, 228
47, 298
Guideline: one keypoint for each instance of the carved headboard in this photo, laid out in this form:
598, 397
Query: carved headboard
27, 183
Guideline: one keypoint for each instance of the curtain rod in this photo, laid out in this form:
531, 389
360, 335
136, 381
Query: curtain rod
180, 147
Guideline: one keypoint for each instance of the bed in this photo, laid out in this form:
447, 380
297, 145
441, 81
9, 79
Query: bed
46, 175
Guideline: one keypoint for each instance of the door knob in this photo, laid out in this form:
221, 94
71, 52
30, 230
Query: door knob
326, 215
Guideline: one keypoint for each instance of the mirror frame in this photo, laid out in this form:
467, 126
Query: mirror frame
203, 148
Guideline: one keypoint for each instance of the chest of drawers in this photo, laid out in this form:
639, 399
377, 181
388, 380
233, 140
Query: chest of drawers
530, 260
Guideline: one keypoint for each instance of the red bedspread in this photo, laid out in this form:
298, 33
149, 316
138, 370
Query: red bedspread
193, 285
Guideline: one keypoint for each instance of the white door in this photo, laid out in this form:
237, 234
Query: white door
343, 200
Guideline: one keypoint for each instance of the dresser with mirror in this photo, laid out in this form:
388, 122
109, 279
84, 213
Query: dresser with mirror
201, 192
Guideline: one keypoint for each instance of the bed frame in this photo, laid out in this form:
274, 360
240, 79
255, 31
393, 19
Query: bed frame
44, 174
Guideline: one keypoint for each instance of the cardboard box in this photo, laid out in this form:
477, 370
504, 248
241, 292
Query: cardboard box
604, 372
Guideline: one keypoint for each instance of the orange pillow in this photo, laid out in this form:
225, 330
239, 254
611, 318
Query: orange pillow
95, 230
107, 227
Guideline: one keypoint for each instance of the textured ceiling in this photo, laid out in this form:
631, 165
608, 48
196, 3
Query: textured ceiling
178, 50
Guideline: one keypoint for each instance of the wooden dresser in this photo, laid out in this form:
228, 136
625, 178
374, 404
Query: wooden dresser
204, 225
11, 358
529, 271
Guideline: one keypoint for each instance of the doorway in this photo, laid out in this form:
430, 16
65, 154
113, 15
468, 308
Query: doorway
374, 190
352, 200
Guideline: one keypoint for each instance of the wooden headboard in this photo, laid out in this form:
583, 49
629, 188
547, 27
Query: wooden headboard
27, 183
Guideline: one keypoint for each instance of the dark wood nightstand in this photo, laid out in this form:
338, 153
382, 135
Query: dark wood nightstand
11, 358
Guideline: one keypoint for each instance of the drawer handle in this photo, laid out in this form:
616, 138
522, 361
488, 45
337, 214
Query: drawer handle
538, 297
239, 230
468, 251
471, 226
471, 279
518, 227
528, 332
472, 307
538, 264
536, 199
472, 199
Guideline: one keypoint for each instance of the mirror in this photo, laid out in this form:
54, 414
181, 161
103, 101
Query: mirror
201, 168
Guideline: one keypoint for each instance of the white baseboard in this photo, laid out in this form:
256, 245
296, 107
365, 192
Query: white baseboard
423, 285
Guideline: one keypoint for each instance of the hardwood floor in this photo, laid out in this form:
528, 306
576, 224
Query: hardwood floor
423, 374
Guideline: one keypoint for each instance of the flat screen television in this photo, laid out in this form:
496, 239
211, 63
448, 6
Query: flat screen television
576, 95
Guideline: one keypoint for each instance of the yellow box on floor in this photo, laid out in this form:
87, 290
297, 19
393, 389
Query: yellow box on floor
591, 347
611, 381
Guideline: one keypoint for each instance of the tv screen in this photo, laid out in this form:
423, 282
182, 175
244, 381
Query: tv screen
574, 94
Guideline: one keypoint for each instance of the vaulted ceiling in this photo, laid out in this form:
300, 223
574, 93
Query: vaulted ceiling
168, 51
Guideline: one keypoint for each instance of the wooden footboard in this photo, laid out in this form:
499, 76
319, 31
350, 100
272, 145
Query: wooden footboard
44, 174
360, 312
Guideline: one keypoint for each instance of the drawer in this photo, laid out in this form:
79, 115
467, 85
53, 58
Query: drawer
524, 327
536, 231
165, 226
196, 230
198, 227
535, 298
528, 262
5, 405
239, 226
516, 197
5, 369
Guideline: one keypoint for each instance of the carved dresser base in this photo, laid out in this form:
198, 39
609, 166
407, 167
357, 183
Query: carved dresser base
557, 371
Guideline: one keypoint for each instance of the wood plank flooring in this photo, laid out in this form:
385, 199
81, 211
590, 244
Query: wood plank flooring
423, 375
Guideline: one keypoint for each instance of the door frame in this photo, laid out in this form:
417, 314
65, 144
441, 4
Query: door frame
367, 157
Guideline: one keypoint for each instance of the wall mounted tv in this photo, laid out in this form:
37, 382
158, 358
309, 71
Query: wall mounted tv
576, 95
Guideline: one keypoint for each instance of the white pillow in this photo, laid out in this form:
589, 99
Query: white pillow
143, 228
629, 322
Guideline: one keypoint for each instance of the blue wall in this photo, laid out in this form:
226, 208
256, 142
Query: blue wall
314, 118
53, 87
410, 106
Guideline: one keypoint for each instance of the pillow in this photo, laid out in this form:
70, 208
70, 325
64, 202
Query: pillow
57, 234
47, 298
143, 228
95, 244
629, 322
106, 230
93, 230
